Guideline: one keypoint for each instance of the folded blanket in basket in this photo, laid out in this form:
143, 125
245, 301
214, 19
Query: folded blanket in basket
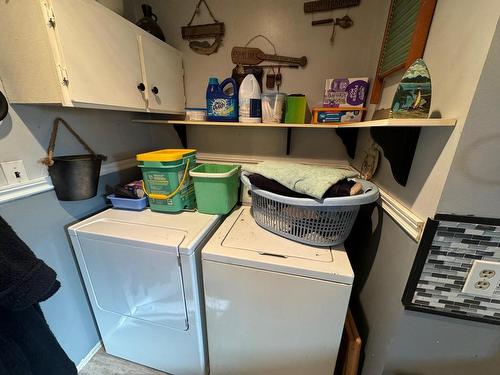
310, 180
343, 188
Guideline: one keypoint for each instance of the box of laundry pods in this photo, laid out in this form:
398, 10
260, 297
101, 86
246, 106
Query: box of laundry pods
345, 92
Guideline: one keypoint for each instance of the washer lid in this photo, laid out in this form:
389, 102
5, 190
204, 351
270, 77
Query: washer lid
155, 238
241, 241
246, 235
185, 230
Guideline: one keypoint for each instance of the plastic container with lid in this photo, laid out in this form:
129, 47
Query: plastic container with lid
166, 179
273, 105
196, 114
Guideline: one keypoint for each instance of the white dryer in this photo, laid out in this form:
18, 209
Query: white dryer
273, 306
142, 274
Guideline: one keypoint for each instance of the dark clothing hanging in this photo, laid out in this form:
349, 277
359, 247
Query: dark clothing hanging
27, 346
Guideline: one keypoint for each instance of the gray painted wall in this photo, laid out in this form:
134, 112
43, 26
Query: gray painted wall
402, 342
473, 184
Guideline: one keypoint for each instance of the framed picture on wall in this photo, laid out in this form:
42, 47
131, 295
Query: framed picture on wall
405, 36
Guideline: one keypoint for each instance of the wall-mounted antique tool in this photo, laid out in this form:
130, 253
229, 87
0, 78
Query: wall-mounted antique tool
254, 56
344, 22
212, 30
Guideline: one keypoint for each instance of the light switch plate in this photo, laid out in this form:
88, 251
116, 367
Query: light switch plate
483, 278
14, 172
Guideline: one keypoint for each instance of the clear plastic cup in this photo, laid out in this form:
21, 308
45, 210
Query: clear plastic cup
273, 107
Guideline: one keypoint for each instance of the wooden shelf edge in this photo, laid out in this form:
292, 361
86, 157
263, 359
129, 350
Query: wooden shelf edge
432, 122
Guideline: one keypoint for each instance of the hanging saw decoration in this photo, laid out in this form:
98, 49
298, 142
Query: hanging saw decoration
211, 30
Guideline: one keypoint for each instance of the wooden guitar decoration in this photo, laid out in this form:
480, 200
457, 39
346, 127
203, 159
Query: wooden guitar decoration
212, 30
254, 56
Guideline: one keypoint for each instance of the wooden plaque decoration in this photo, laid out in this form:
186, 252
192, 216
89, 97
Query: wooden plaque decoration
214, 30
406, 31
324, 5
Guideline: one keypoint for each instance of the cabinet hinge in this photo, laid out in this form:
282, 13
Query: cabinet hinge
51, 18
64, 75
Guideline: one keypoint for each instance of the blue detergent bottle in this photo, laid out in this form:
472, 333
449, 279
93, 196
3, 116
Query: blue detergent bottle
222, 106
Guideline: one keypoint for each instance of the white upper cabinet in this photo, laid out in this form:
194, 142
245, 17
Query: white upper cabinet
165, 86
100, 53
78, 53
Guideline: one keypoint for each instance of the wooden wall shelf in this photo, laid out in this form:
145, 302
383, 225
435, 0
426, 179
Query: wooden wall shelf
397, 137
364, 124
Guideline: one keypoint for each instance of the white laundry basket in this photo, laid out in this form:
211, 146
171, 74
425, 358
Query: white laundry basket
324, 222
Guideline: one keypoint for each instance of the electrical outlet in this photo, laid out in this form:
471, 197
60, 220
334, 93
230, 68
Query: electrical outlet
14, 172
483, 278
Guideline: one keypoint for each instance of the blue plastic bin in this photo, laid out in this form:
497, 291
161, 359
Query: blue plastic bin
128, 204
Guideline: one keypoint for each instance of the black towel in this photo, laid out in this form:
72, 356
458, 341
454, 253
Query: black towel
24, 279
27, 346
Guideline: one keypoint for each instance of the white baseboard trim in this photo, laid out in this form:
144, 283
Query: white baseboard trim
10, 193
89, 356
202, 157
116, 166
402, 215
39, 185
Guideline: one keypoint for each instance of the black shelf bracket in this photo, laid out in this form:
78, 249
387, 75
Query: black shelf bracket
399, 145
181, 131
349, 138
288, 140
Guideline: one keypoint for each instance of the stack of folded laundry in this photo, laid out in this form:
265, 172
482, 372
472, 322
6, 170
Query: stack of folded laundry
303, 181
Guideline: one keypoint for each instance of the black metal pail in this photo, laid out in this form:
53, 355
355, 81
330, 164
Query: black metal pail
75, 177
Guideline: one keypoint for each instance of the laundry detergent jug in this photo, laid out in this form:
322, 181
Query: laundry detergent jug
222, 100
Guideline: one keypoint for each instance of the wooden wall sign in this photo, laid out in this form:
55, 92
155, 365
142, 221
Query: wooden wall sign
406, 31
214, 30
324, 5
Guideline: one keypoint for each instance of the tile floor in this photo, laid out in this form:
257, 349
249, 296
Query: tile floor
105, 364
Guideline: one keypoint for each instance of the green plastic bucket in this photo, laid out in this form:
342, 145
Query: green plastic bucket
216, 187
166, 179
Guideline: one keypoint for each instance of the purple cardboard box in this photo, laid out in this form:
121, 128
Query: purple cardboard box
345, 92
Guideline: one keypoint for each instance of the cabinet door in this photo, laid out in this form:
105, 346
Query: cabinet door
163, 75
100, 53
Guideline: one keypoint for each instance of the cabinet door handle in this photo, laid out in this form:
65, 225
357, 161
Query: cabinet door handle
155, 90
141, 87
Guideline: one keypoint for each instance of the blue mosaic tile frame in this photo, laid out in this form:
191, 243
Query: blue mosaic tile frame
449, 246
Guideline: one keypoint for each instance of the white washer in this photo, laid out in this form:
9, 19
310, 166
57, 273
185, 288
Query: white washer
142, 271
273, 306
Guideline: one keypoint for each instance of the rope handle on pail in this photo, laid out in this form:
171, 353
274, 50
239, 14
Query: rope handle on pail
49, 160
168, 196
